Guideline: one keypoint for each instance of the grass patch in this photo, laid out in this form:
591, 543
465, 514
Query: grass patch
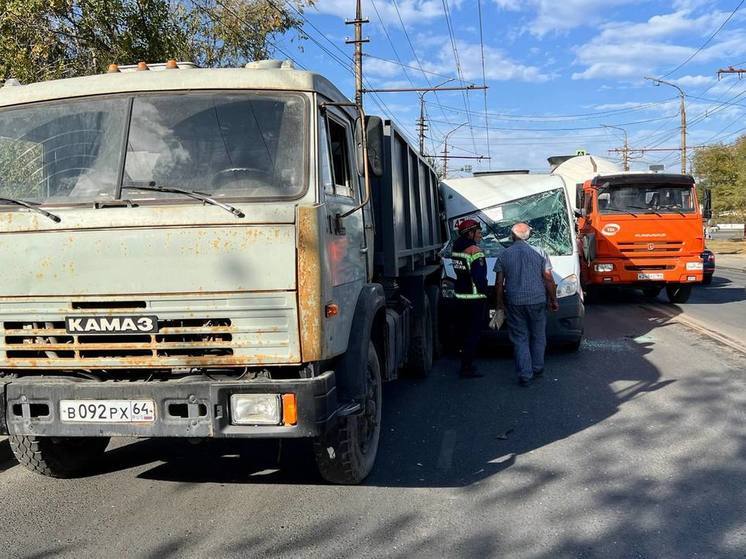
730, 246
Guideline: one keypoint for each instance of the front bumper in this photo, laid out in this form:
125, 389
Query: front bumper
207, 405
632, 272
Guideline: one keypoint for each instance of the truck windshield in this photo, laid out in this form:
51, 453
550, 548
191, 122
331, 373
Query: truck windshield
545, 212
642, 198
228, 145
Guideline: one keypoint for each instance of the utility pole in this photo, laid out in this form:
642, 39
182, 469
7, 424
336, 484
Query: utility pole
642, 151
358, 42
625, 149
682, 110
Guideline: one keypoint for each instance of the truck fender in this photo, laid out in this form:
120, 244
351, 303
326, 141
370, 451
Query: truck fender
350, 371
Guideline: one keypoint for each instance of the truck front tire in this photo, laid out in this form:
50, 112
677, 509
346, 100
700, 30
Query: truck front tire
678, 293
60, 457
347, 452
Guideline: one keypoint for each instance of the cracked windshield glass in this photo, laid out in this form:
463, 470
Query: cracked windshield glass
545, 212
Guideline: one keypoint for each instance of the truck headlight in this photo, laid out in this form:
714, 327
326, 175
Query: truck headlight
568, 286
694, 266
447, 288
255, 409
603, 267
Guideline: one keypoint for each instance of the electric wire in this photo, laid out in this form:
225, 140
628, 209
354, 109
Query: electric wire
707, 42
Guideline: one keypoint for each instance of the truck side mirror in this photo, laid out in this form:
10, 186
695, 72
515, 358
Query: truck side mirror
707, 204
374, 133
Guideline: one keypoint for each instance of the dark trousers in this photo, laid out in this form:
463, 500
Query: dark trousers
469, 324
527, 325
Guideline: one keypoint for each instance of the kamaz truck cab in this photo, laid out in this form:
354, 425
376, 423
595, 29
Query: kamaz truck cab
641, 230
197, 253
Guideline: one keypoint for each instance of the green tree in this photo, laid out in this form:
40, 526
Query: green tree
47, 39
722, 168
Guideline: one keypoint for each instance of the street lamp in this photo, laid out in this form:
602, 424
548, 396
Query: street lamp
445, 148
682, 110
625, 151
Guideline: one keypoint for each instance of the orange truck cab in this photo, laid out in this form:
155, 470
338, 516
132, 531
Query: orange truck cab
641, 230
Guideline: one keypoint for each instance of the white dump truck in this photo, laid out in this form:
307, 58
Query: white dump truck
195, 253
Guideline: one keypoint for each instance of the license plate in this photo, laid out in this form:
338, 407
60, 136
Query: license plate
651, 276
107, 411
121, 324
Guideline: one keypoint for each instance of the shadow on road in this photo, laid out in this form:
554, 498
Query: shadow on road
443, 431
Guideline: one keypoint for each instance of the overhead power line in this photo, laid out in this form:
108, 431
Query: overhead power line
707, 42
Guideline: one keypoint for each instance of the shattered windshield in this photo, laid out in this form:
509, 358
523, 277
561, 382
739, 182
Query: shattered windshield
645, 199
545, 212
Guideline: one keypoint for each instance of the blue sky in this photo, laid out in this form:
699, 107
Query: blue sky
556, 71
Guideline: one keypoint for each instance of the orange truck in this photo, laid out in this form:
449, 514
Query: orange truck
642, 230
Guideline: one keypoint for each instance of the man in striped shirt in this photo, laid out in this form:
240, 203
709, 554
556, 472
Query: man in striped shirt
525, 288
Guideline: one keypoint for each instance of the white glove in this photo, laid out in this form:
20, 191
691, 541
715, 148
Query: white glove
497, 319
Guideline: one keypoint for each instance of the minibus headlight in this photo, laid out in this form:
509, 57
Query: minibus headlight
568, 286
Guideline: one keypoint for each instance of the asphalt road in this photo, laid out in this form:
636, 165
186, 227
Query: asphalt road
633, 447
720, 306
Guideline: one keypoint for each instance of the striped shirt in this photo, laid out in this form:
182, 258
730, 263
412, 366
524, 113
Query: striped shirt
523, 266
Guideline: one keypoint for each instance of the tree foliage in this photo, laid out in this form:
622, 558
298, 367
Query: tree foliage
47, 39
722, 168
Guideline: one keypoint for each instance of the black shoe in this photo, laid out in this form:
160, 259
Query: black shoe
539, 373
523, 381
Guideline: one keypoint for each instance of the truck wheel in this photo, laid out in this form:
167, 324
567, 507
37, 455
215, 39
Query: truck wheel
651, 291
678, 293
433, 294
60, 457
707, 280
420, 355
346, 453
592, 295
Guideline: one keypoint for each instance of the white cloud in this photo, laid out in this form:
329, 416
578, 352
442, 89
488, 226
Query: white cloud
510, 5
552, 16
412, 12
375, 67
498, 66
630, 50
694, 81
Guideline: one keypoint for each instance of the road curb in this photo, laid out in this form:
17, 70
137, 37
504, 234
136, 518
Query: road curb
698, 326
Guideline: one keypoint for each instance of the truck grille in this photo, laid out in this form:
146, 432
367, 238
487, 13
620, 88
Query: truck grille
49, 340
237, 330
643, 247
649, 267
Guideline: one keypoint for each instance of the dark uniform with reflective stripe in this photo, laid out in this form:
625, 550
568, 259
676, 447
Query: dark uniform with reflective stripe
470, 267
